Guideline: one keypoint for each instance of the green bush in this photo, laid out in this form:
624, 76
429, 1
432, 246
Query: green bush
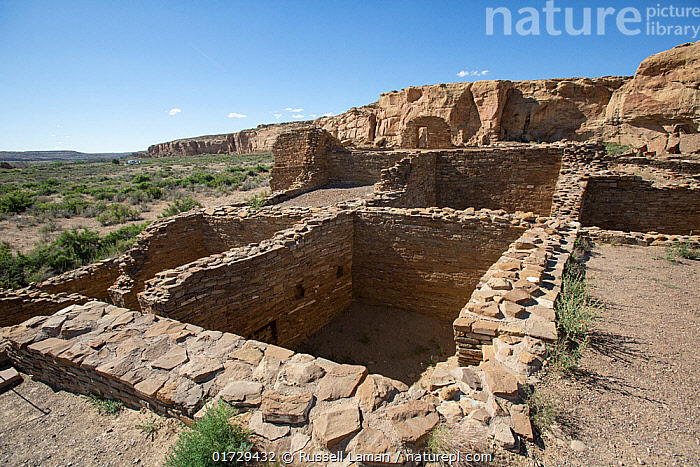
180, 205
140, 178
106, 406
615, 149
118, 214
16, 201
576, 312
70, 250
257, 201
682, 250
214, 433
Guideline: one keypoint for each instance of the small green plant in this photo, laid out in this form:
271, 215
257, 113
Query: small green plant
213, 433
682, 250
576, 312
257, 201
457, 437
105, 406
150, 428
180, 205
543, 412
615, 149
118, 214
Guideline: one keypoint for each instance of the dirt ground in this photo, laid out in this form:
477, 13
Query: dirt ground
327, 196
634, 400
40, 427
22, 236
387, 341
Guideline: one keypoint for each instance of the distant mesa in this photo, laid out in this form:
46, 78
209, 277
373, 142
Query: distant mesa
656, 110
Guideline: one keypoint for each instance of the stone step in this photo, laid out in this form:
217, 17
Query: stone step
8, 377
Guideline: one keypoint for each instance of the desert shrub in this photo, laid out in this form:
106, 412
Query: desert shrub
180, 205
576, 312
213, 433
682, 250
615, 149
257, 201
457, 437
106, 406
140, 178
542, 411
16, 201
118, 214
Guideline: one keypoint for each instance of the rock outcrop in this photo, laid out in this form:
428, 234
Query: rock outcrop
660, 107
657, 110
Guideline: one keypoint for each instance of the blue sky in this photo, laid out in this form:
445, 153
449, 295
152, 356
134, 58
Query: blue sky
108, 76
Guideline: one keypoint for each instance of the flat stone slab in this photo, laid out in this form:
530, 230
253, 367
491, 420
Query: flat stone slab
413, 420
290, 409
200, 368
268, 431
172, 358
341, 382
335, 424
8, 377
242, 393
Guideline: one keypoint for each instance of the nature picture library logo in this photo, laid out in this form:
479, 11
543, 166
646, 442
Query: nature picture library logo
658, 20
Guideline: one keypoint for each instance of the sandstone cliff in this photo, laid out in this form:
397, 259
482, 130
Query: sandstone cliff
657, 109
660, 107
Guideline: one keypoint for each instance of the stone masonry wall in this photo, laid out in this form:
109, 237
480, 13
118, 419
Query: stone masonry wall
426, 261
514, 178
357, 167
281, 290
92, 280
409, 183
19, 305
301, 159
629, 203
426, 132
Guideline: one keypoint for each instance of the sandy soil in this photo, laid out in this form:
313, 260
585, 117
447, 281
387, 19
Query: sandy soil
40, 427
329, 195
390, 342
634, 400
22, 236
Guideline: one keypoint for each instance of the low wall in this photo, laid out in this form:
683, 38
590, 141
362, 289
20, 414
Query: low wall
357, 167
632, 204
515, 299
281, 290
19, 305
426, 261
515, 178
91, 281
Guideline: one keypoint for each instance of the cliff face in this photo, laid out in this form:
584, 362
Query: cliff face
258, 139
658, 109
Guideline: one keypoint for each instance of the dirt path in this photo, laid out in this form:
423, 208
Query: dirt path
74, 433
634, 400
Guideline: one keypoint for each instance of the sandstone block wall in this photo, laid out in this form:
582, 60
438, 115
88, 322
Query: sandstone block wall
632, 204
284, 289
358, 167
520, 178
92, 280
409, 183
17, 306
514, 301
425, 261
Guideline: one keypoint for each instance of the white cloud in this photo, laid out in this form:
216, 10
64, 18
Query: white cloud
297, 116
464, 73
53, 136
174, 111
313, 115
278, 115
235, 115
328, 114
289, 109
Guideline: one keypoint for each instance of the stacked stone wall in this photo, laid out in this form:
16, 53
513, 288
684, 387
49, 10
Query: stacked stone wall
409, 183
514, 178
19, 305
425, 261
286, 288
91, 281
357, 167
628, 203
